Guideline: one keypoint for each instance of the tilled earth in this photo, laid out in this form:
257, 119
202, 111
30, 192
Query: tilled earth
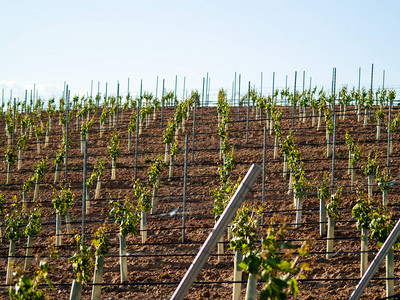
157, 266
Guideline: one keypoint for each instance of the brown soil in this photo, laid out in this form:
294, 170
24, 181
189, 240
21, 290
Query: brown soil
156, 267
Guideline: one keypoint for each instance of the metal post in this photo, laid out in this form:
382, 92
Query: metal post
286, 89
26, 99
137, 129
84, 193
216, 233
359, 78
383, 80
247, 117
304, 79
194, 124
263, 171
389, 137
105, 96
34, 93
333, 154
240, 77
261, 83
66, 135
184, 189
392, 238
13, 132
202, 102
333, 90
273, 85
206, 90
91, 89
162, 103
310, 88
98, 93
30, 103
372, 79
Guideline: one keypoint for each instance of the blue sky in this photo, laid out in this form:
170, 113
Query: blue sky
49, 42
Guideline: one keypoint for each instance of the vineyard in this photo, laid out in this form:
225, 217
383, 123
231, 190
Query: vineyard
113, 197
